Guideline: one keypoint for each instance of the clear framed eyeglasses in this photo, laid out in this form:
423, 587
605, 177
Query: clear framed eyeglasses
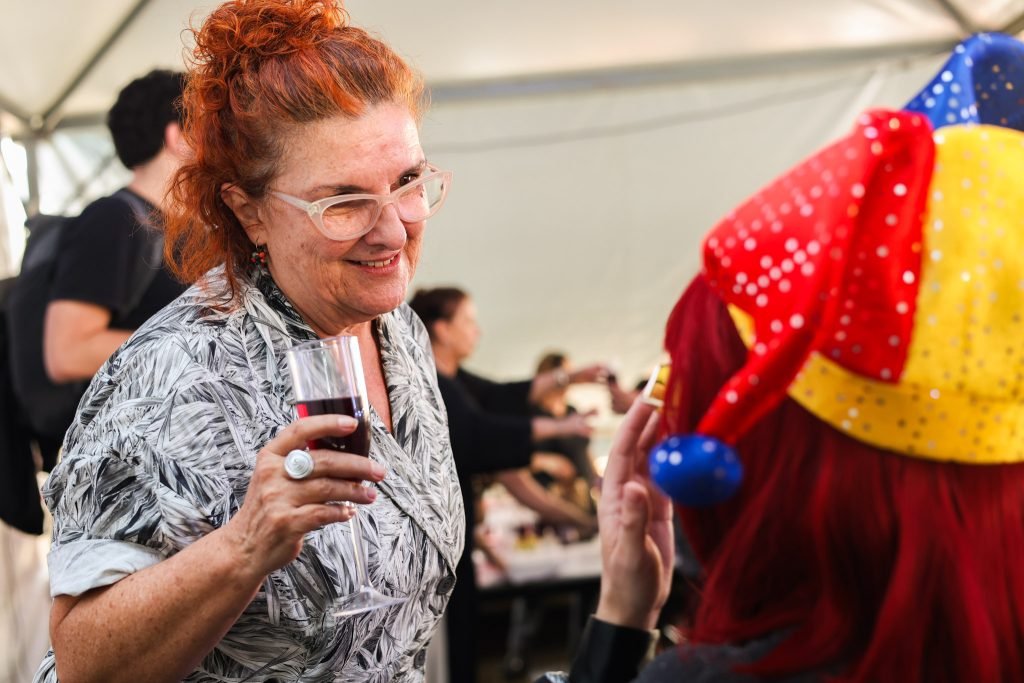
350, 216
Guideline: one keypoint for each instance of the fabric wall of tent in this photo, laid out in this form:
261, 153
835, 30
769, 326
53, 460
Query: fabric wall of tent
592, 142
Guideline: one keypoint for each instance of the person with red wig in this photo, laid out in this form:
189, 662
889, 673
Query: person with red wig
187, 545
845, 429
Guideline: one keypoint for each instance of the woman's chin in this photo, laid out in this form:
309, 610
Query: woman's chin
383, 300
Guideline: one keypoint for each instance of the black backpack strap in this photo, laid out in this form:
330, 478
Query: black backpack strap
144, 270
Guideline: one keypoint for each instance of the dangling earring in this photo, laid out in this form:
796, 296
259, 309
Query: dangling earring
259, 255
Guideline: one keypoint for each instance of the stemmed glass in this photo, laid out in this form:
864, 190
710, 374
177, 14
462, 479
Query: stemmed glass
327, 376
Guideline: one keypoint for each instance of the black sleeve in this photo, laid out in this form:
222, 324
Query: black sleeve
97, 255
507, 398
608, 654
481, 441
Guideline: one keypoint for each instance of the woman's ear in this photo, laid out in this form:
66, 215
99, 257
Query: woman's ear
246, 210
174, 141
441, 329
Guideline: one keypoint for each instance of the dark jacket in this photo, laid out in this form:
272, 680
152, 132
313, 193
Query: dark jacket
614, 654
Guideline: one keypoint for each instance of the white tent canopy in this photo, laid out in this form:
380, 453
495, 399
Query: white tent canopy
592, 142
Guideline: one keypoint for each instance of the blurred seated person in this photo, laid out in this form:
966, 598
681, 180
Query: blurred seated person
491, 431
575, 448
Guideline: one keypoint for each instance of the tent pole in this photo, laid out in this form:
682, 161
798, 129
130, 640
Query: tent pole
1014, 26
62, 159
91, 63
32, 159
14, 110
80, 186
962, 20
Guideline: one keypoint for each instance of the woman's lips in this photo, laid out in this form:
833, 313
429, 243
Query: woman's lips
378, 266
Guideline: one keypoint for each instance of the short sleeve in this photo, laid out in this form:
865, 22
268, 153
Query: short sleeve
98, 253
483, 442
507, 398
149, 469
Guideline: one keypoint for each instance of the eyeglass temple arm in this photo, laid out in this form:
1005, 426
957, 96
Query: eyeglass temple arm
294, 201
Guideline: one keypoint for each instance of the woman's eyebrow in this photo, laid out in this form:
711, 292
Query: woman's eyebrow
358, 189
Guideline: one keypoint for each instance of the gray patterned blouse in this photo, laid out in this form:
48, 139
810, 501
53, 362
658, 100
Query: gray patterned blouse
162, 451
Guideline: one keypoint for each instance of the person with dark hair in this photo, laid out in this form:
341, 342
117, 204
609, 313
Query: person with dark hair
199, 532
491, 431
93, 307
844, 420
574, 448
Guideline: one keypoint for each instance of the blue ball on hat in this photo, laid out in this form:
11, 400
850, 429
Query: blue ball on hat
695, 470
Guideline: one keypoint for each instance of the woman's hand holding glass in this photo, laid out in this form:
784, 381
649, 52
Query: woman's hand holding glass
279, 511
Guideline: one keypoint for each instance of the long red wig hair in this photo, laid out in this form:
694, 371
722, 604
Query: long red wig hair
878, 566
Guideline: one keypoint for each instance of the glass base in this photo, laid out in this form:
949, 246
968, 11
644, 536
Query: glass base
364, 600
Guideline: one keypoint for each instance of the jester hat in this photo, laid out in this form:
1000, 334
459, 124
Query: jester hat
981, 82
880, 284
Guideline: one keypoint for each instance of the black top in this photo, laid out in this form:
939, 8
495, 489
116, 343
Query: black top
574, 447
490, 429
96, 259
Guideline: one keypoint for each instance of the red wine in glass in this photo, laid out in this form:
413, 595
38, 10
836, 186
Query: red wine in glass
356, 443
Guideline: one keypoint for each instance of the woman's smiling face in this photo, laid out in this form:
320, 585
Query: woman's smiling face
338, 284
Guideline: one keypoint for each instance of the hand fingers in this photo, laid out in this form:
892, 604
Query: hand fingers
327, 490
648, 437
314, 516
306, 429
620, 465
634, 516
337, 465
660, 504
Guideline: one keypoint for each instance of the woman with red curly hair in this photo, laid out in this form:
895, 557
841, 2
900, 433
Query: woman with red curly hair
846, 425
183, 547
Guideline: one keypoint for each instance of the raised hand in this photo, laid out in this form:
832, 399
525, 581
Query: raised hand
635, 520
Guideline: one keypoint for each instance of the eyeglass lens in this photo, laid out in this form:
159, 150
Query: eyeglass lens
414, 203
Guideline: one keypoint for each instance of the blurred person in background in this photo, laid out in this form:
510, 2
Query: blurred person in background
87, 318
574, 448
492, 431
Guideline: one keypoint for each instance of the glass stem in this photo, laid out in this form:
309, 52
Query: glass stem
355, 527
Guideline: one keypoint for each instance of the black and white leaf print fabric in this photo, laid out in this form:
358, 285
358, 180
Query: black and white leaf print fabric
161, 454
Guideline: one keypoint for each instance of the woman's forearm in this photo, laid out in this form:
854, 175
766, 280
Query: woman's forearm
157, 624
551, 508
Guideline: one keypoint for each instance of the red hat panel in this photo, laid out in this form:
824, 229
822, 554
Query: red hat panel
837, 223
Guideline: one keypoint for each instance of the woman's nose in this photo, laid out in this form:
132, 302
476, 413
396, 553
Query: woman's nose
389, 230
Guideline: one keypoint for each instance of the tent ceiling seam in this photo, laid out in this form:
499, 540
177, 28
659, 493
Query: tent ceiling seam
646, 75
46, 119
962, 20
684, 72
1014, 26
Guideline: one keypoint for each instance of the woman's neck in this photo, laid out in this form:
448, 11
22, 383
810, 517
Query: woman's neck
446, 362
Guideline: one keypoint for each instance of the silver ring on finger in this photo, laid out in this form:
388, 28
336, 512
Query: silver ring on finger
298, 464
